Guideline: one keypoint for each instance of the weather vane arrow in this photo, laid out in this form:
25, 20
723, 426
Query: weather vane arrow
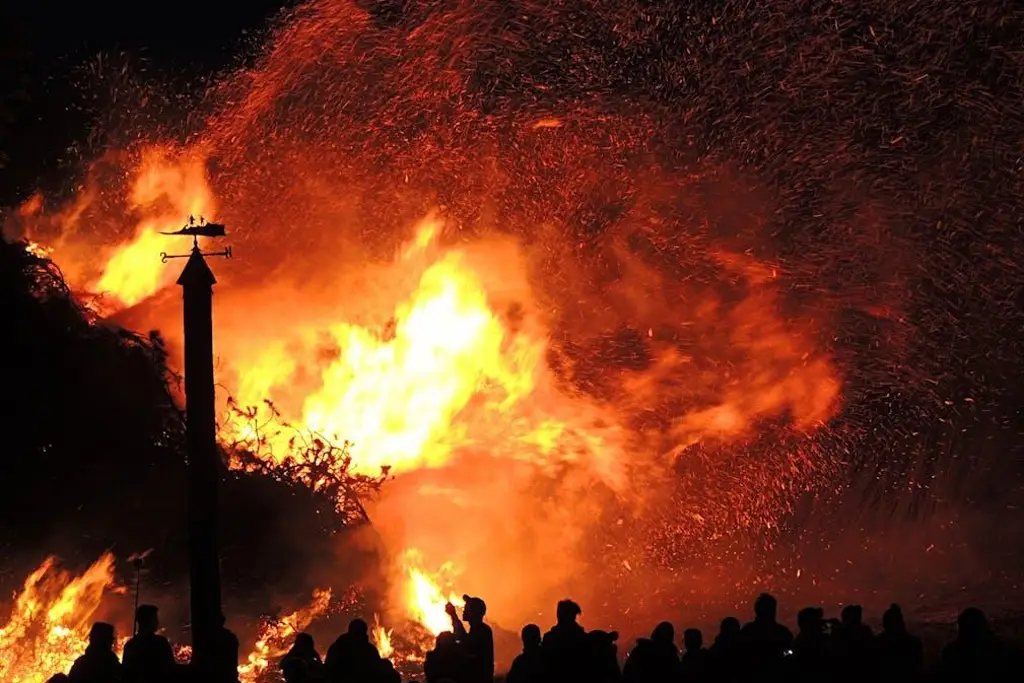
195, 230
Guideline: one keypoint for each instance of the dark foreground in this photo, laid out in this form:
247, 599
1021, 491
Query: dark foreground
822, 649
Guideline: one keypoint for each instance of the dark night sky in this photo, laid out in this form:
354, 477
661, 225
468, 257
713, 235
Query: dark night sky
184, 40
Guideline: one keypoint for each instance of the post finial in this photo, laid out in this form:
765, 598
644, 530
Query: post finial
196, 230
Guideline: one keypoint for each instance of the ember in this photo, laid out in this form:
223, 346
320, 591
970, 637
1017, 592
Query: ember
579, 278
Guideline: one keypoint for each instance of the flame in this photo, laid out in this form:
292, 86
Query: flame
50, 620
168, 188
446, 358
397, 395
425, 599
382, 639
276, 636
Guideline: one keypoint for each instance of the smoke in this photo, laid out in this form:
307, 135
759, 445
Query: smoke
765, 252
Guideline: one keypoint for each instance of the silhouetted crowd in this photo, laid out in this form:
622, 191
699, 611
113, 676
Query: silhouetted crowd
842, 650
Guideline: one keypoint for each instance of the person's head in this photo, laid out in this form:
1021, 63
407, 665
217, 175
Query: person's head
358, 628
101, 636
664, 632
474, 609
852, 615
693, 639
892, 619
730, 626
148, 618
971, 623
304, 642
293, 669
530, 636
809, 619
567, 611
444, 639
58, 678
602, 643
766, 607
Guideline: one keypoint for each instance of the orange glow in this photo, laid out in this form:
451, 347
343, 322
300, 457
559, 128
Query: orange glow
166, 191
396, 398
443, 364
50, 620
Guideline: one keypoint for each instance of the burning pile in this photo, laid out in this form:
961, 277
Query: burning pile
441, 373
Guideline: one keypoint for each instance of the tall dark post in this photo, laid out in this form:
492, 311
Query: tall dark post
203, 465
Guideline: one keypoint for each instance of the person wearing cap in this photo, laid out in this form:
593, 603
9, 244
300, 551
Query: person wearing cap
148, 657
477, 642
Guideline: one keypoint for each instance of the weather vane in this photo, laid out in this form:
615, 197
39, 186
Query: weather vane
198, 229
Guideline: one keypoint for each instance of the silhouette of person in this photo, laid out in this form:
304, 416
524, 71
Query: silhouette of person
58, 678
564, 645
148, 657
99, 664
725, 650
601, 663
227, 653
695, 664
853, 644
352, 657
654, 659
446, 661
528, 666
811, 645
477, 642
386, 672
764, 641
899, 653
302, 662
976, 654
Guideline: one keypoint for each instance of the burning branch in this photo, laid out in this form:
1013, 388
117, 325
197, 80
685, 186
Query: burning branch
325, 468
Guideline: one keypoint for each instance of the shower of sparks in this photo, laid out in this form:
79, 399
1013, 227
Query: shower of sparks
683, 267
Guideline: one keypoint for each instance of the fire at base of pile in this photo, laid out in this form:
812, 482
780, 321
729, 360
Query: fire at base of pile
49, 621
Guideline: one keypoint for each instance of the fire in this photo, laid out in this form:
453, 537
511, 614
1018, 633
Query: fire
382, 638
276, 637
49, 622
425, 600
395, 393
167, 189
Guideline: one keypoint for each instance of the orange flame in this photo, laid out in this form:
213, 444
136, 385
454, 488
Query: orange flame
49, 622
445, 358
425, 599
167, 189
382, 639
275, 637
